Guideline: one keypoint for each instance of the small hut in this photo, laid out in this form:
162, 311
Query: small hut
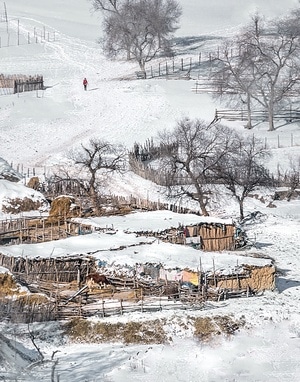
213, 236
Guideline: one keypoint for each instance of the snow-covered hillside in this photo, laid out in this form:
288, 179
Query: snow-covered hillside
38, 129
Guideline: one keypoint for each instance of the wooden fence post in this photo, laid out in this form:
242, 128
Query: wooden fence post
103, 310
18, 32
214, 270
142, 301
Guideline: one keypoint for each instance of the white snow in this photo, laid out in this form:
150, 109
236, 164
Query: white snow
37, 130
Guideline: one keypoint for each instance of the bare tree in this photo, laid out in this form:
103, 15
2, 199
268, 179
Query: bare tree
264, 66
232, 76
242, 170
42, 359
97, 159
139, 28
275, 66
190, 152
106, 5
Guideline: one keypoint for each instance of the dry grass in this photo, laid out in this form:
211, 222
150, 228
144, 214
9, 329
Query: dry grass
33, 299
150, 332
204, 328
61, 208
208, 327
8, 285
33, 183
15, 206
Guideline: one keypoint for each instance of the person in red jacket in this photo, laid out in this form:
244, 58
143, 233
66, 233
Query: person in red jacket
85, 82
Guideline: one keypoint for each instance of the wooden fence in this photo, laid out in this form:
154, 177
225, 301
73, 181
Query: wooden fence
58, 290
207, 237
180, 68
38, 230
19, 83
288, 115
51, 301
25, 310
213, 237
30, 84
56, 269
13, 33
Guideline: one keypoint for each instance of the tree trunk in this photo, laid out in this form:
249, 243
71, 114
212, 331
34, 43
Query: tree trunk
94, 199
200, 194
249, 120
202, 204
203, 208
271, 116
241, 205
142, 65
93, 194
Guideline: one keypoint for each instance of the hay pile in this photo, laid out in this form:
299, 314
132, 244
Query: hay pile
8, 286
17, 205
62, 208
34, 183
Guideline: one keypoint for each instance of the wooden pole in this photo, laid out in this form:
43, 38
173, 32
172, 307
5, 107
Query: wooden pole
142, 300
18, 32
214, 269
5, 16
103, 310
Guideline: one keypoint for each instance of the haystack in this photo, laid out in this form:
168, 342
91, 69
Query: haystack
33, 183
62, 208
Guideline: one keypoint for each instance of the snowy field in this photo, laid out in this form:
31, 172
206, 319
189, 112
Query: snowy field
37, 130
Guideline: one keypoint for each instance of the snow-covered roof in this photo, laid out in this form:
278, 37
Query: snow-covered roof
153, 221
